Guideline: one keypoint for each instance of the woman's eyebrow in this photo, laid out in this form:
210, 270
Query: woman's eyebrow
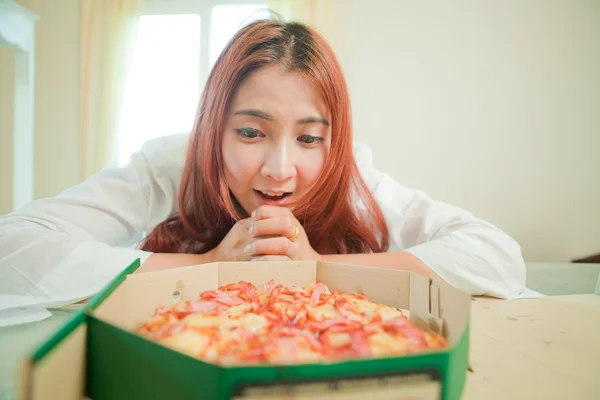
254, 113
265, 116
312, 120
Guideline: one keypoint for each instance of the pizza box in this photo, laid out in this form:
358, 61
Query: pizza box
96, 354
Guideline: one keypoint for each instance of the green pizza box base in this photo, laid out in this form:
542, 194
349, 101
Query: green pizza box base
98, 355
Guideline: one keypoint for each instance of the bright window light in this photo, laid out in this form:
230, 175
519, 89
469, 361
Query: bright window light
227, 19
163, 90
162, 93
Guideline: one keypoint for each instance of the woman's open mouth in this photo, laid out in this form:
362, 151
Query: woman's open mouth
272, 197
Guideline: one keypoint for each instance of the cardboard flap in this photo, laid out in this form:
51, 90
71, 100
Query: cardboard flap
56, 370
380, 285
124, 308
455, 309
438, 306
288, 273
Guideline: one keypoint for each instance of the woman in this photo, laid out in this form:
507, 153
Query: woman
270, 173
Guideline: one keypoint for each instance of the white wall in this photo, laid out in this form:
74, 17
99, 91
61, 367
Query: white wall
57, 102
490, 105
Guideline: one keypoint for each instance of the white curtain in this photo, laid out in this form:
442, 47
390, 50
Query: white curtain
108, 34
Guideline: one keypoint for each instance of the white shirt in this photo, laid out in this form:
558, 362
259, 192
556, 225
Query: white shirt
60, 250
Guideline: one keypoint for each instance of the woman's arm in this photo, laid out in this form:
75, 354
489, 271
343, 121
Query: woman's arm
467, 252
62, 249
393, 260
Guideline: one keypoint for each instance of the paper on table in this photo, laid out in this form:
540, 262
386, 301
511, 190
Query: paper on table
11, 301
15, 316
530, 294
16, 310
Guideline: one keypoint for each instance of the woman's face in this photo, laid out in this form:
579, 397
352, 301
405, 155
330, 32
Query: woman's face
277, 137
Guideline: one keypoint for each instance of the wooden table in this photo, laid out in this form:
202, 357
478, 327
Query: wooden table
546, 348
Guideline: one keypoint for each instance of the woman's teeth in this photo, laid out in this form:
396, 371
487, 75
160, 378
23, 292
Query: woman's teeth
273, 195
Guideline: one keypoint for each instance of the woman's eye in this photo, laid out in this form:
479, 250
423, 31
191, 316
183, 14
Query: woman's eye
248, 133
309, 139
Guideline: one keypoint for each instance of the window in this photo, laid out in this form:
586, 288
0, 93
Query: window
177, 43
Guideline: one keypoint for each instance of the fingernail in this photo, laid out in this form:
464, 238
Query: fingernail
254, 213
252, 229
249, 249
256, 259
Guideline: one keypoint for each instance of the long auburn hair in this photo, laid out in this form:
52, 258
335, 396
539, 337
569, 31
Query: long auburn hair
339, 214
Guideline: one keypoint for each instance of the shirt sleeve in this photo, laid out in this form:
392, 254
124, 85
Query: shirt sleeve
470, 254
59, 250
467, 252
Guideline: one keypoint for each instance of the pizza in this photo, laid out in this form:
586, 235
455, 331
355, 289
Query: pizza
240, 324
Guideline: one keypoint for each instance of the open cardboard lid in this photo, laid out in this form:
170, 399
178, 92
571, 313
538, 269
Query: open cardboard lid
56, 369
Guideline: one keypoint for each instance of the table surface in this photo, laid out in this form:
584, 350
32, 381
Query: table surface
535, 348
572, 283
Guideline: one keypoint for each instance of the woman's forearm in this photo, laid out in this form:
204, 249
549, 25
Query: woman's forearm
158, 261
394, 260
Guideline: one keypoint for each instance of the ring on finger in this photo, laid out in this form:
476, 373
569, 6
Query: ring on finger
294, 237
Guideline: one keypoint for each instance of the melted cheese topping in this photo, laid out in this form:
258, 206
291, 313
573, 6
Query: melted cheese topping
239, 324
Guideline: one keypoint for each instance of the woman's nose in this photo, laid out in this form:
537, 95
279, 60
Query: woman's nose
279, 164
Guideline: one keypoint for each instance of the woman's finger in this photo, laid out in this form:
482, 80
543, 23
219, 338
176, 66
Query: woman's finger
285, 226
271, 258
264, 212
246, 223
269, 247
